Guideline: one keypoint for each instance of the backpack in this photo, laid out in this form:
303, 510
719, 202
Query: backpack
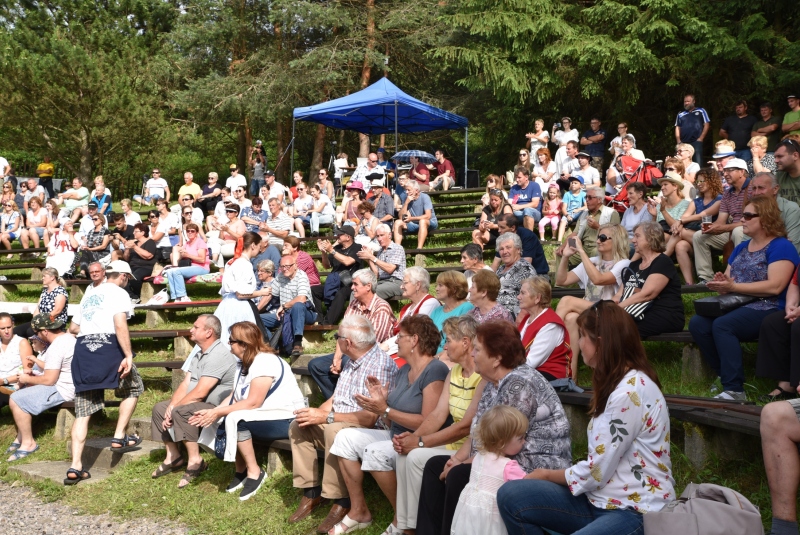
706, 509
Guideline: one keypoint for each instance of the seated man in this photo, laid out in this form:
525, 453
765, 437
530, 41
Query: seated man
525, 198
218, 218
254, 215
325, 370
45, 391
780, 437
317, 428
75, 200
208, 381
445, 172
87, 221
388, 264
121, 233
384, 207
416, 216
342, 261
532, 251
294, 291
277, 225
155, 188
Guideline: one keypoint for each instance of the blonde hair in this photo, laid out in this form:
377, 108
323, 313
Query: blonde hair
686, 147
761, 141
498, 426
619, 237
677, 163
725, 144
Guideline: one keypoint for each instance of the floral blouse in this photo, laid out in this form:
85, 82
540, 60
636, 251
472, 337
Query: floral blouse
47, 302
629, 464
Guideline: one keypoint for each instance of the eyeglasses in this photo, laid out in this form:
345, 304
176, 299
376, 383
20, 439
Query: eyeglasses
338, 337
301, 189
235, 341
373, 161
747, 216
669, 169
239, 191
495, 191
602, 238
286, 266
191, 232
698, 182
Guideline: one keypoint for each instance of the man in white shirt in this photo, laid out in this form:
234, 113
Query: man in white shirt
236, 180
5, 168
369, 170
155, 188
103, 359
590, 175
87, 221
33, 190
569, 166
276, 189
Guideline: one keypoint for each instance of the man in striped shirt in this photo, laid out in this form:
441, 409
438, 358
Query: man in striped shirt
294, 291
277, 226
364, 302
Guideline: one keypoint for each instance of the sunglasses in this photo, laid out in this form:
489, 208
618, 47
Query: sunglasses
191, 232
523, 153
747, 216
153, 217
602, 238
698, 182
188, 199
95, 219
235, 341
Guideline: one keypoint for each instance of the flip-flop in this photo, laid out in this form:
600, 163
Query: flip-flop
21, 454
123, 443
12, 448
191, 474
165, 468
348, 525
80, 476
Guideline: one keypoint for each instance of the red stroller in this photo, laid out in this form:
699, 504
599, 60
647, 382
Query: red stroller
633, 170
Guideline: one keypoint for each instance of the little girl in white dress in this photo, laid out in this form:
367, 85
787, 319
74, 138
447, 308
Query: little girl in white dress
501, 434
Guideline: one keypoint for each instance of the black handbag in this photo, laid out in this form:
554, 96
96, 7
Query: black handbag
719, 305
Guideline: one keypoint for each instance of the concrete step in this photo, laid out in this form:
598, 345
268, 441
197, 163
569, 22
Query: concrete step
55, 471
140, 426
98, 453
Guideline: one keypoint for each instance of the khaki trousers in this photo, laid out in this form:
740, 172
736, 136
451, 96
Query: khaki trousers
305, 469
180, 421
703, 243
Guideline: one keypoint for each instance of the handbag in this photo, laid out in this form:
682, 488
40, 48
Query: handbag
719, 305
221, 439
706, 509
636, 310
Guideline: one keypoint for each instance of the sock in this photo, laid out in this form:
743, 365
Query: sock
344, 502
312, 492
298, 339
783, 527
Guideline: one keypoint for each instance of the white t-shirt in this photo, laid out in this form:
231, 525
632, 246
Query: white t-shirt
284, 397
59, 357
303, 205
97, 309
608, 266
10, 360
156, 186
234, 182
164, 225
243, 203
38, 192
276, 190
536, 144
694, 167
590, 176
326, 203
469, 274
132, 218
3, 164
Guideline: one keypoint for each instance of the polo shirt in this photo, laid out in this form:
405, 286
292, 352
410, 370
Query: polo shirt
596, 149
691, 124
732, 202
218, 363
792, 117
520, 195
288, 288
192, 189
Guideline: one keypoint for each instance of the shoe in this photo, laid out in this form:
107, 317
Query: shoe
297, 350
80, 475
237, 482
184, 299
135, 301
335, 516
306, 507
781, 395
348, 525
251, 486
716, 386
731, 395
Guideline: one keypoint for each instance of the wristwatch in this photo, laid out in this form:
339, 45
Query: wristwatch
386, 413
329, 419
420, 443
5, 381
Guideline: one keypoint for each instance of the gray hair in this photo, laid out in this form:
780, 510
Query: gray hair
383, 227
212, 322
413, 184
358, 329
267, 265
187, 174
597, 191
473, 251
630, 138
461, 327
98, 264
419, 275
366, 276
509, 236
772, 179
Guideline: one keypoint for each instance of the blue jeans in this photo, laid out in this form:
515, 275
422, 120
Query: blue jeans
698, 152
320, 370
529, 212
719, 340
301, 316
176, 277
744, 154
317, 219
255, 187
529, 506
263, 431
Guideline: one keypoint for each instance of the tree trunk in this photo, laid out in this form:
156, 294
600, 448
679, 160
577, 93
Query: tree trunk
85, 173
241, 147
283, 133
317, 157
366, 71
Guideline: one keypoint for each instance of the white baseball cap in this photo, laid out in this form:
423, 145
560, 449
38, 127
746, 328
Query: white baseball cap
736, 163
119, 266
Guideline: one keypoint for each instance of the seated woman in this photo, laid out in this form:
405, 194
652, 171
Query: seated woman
637, 211
600, 276
544, 172
779, 347
763, 161
652, 279
62, 247
492, 182
685, 152
415, 285
417, 389
140, 254
458, 402
760, 267
131, 217
192, 260
94, 246
52, 301
367, 225
669, 210
483, 295
706, 204
543, 334
14, 353
500, 360
36, 224
261, 406
451, 291
262, 295
487, 232
10, 225
676, 165
512, 271
629, 428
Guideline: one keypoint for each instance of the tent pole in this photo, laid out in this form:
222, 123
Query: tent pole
466, 167
291, 167
395, 131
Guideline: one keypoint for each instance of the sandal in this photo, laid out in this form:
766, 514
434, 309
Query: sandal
21, 454
12, 448
123, 443
191, 474
348, 525
80, 475
165, 468
392, 530
781, 395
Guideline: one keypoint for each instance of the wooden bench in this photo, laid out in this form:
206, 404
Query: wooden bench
76, 286
159, 314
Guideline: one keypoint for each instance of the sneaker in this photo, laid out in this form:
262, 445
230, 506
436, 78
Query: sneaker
716, 386
237, 483
135, 301
731, 395
251, 486
184, 299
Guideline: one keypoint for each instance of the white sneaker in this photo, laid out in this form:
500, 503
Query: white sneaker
731, 395
184, 299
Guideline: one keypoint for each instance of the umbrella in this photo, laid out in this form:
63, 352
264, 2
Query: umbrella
404, 155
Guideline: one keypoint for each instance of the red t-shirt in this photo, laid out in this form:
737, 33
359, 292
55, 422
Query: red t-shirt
371, 195
421, 169
445, 166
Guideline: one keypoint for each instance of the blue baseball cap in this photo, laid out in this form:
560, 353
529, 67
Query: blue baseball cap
576, 178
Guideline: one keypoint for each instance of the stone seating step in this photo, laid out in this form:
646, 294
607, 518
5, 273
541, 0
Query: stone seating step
54, 471
97, 453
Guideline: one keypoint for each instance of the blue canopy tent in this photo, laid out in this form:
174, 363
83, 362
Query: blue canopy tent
381, 108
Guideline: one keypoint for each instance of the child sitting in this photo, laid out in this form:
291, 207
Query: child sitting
551, 210
572, 206
501, 434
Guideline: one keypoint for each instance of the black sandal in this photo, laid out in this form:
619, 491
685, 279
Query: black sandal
780, 396
80, 475
165, 468
123, 443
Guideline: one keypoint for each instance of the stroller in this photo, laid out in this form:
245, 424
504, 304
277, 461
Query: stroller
632, 170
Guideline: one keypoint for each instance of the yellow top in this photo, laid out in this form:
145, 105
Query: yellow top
45, 170
194, 190
461, 391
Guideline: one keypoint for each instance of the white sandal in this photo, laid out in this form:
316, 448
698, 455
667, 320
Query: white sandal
348, 525
392, 530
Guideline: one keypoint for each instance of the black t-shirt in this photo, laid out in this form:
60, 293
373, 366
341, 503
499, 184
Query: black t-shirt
352, 252
136, 261
775, 137
126, 234
669, 300
739, 129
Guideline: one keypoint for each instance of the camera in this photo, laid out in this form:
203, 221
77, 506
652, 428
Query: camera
556, 125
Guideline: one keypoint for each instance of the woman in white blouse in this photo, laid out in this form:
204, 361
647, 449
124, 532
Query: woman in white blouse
544, 172
561, 138
628, 471
262, 404
416, 285
537, 139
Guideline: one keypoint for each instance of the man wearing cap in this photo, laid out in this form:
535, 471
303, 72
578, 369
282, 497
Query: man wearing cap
691, 126
569, 165
103, 359
787, 160
155, 188
589, 225
737, 128
189, 187
236, 180
791, 121
276, 189
592, 143
277, 225
420, 173
368, 170
416, 216
766, 184
445, 172
87, 221
384, 207
45, 391
388, 264
590, 175
769, 126
342, 261
525, 197
720, 231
